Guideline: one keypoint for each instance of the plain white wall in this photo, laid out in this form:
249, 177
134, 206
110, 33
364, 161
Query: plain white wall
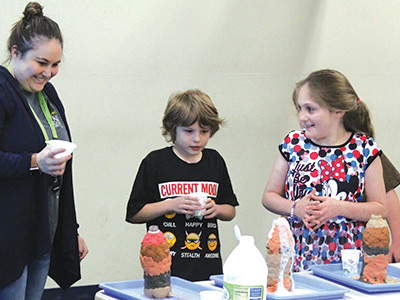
122, 60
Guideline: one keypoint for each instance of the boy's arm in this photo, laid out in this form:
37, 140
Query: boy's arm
150, 211
224, 212
180, 205
393, 219
392, 179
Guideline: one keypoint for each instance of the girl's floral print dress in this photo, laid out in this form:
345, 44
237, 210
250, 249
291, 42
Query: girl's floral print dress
336, 172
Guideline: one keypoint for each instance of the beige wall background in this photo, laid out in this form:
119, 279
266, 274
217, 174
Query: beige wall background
122, 60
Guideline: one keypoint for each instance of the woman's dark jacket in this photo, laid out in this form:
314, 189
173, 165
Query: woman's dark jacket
24, 221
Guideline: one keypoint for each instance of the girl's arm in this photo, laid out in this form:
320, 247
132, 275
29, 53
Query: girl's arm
274, 199
393, 219
325, 208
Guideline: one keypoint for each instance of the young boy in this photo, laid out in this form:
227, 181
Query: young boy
168, 178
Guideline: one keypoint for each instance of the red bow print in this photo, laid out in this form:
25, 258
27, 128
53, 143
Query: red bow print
337, 170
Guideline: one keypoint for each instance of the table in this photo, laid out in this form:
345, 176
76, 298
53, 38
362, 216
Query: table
352, 295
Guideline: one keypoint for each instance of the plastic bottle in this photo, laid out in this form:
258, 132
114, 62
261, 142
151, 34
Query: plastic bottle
245, 272
155, 259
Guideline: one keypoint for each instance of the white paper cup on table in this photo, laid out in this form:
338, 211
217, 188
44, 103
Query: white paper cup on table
350, 260
202, 198
211, 295
57, 144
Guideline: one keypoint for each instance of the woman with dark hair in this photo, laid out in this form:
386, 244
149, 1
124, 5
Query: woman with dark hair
38, 227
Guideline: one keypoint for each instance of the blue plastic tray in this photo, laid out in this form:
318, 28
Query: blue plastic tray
133, 289
307, 287
335, 273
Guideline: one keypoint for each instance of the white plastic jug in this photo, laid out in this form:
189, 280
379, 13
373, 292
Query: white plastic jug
245, 272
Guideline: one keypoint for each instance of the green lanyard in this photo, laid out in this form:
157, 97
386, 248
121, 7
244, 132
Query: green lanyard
46, 113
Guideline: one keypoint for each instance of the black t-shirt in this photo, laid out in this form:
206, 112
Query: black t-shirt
390, 175
194, 241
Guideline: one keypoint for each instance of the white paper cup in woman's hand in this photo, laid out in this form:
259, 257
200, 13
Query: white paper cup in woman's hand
60, 144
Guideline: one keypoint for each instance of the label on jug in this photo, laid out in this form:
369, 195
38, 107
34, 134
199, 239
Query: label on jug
243, 292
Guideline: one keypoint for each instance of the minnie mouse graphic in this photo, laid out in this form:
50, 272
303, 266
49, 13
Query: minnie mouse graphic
334, 182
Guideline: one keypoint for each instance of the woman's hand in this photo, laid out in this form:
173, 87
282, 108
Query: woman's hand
50, 165
83, 249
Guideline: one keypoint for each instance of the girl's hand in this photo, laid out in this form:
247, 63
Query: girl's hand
301, 210
394, 252
50, 165
185, 205
321, 209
